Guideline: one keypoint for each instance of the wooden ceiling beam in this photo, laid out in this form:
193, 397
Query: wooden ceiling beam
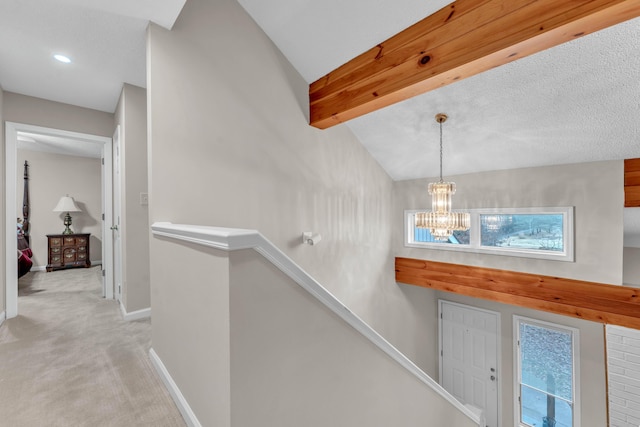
463, 39
597, 302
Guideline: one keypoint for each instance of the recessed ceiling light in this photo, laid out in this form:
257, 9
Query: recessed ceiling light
62, 58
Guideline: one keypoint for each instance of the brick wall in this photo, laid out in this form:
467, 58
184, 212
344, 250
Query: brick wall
623, 364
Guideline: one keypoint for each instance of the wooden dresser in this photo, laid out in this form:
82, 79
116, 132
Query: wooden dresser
68, 251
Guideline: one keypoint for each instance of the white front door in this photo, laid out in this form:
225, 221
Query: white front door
469, 356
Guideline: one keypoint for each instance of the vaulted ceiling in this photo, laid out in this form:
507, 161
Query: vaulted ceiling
577, 102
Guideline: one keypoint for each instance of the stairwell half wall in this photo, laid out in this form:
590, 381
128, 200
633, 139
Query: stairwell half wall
230, 145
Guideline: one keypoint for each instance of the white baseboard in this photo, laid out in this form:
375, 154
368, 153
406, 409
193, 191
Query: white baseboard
135, 315
174, 391
2, 317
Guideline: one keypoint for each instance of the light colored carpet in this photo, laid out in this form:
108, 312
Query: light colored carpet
69, 359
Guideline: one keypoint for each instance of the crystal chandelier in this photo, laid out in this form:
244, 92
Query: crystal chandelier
441, 222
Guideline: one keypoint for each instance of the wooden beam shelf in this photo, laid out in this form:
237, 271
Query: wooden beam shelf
597, 302
462, 39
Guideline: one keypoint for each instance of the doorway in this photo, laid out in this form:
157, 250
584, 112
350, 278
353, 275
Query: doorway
469, 356
12, 132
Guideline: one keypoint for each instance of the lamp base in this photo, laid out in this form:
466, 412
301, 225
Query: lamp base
67, 223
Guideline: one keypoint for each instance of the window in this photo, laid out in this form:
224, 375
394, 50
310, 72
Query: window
545, 233
458, 238
527, 231
546, 382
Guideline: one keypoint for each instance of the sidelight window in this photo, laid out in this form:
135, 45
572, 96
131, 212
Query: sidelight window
546, 381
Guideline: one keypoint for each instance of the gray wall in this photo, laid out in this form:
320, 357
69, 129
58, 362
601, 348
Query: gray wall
598, 256
631, 274
131, 115
230, 146
327, 374
586, 186
40, 112
3, 213
190, 327
52, 176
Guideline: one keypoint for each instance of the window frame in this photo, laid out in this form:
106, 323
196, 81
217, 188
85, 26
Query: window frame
517, 374
567, 254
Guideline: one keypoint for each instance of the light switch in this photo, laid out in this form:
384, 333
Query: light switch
144, 199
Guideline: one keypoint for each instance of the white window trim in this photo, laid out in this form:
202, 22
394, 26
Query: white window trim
474, 244
575, 341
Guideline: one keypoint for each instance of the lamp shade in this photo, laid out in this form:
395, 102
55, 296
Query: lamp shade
66, 204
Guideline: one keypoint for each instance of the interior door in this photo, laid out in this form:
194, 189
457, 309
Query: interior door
107, 220
117, 208
469, 356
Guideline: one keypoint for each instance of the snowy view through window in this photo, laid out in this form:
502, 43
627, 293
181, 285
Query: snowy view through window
546, 376
522, 231
545, 233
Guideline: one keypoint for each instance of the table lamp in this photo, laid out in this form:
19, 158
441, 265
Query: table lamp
67, 204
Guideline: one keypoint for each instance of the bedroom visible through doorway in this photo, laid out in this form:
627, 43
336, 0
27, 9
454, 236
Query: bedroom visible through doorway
34, 135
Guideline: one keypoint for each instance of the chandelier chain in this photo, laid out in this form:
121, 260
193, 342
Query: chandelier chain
440, 150
442, 221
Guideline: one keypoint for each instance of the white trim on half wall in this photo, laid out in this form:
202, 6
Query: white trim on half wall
184, 408
233, 239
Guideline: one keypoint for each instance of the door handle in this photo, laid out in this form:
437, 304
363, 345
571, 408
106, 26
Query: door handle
115, 227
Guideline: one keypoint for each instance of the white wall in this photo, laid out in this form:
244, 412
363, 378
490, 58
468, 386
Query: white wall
52, 176
598, 257
131, 115
623, 353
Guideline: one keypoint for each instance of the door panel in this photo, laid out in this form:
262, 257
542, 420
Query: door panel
469, 352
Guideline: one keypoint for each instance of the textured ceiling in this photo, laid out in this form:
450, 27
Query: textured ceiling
573, 103
577, 102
